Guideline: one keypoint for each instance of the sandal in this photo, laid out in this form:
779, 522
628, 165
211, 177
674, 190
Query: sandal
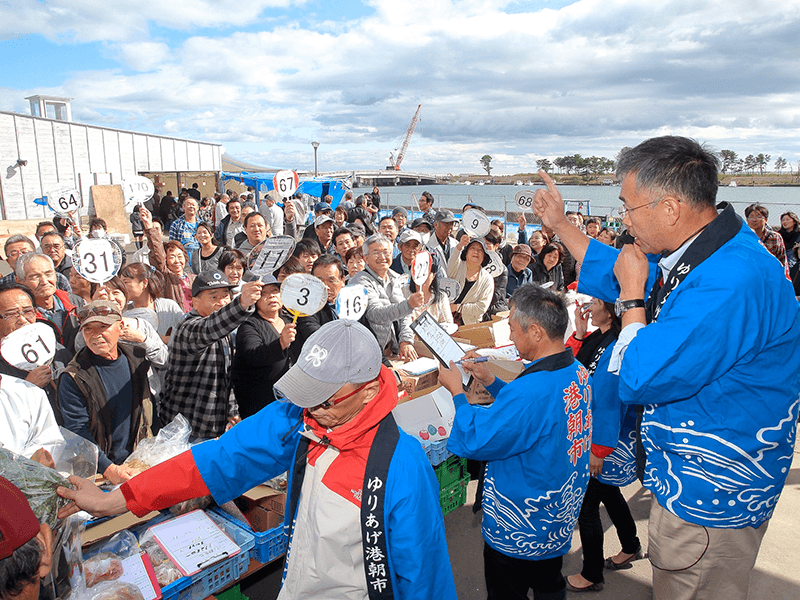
625, 564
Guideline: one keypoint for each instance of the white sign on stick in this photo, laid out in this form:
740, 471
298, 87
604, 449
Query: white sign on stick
137, 190
351, 302
451, 287
495, 268
97, 260
524, 199
421, 267
274, 252
64, 200
475, 223
30, 346
286, 183
303, 294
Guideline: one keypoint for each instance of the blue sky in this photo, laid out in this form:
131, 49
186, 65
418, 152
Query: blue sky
517, 80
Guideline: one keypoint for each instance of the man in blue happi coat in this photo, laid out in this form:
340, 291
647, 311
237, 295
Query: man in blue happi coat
708, 348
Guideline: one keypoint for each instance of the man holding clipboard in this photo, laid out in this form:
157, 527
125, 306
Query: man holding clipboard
535, 437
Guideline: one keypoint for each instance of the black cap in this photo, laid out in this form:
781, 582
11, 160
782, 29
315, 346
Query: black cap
421, 221
444, 216
210, 280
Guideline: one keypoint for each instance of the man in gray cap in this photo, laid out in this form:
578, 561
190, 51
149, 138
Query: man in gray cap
362, 510
409, 243
442, 243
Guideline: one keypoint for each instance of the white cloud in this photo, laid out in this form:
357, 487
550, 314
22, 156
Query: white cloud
590, 78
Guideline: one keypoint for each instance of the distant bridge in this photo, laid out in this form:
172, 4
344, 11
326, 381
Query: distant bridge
385, 178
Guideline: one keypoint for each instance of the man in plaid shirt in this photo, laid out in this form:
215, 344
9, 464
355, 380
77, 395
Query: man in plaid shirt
757, 216
197, 381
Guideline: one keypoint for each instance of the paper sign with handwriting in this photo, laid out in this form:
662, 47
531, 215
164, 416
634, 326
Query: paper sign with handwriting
138, 570
193, 542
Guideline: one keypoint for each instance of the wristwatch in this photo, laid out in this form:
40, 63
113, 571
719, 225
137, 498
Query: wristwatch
623, 306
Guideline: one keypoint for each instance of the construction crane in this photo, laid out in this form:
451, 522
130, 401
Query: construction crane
394, 164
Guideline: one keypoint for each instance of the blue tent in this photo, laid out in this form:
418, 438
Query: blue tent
313, 187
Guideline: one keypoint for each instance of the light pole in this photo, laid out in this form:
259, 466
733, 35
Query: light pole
315, 145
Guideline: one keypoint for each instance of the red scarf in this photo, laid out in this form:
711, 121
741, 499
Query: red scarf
354, 439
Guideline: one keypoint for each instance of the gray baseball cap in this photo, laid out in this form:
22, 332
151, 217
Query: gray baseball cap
339, 352
409, 235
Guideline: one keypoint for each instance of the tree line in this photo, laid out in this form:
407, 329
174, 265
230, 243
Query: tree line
590, 167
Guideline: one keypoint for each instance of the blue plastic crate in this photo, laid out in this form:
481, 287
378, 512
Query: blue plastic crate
437, 452
269, 545
213, 578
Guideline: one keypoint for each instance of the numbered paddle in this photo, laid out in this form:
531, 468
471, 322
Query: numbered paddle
475, 223
303, 295
271, 254
421, 267
97, 260
64, 200
495, 267
524, 199
286, 183
451, 287
137, 190
351, 303
29, 347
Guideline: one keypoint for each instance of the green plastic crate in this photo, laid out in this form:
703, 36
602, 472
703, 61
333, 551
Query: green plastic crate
454, 495
235, 593
450, 471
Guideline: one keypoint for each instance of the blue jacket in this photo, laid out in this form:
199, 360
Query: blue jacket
259, 448
719, 375
516, 280
536, 437
613, 425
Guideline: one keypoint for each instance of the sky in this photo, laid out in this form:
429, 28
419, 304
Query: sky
516, 80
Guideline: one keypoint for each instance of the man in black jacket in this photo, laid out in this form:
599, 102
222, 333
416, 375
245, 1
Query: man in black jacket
330, 270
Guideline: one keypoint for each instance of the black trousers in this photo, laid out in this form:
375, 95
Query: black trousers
509, 578
591, 528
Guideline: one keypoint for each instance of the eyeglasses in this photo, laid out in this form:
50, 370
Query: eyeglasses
623, 210
329, 403
17, 253
97, 311
756, 216
52, 246
16, 314
377, 253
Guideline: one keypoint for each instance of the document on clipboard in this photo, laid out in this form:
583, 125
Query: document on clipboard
439, 342
193, 542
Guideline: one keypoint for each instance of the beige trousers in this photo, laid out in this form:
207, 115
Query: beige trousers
692, 562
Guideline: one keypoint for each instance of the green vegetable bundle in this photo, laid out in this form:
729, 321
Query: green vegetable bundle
37, 482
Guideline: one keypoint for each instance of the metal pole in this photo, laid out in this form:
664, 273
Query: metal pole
315, 146
505, 215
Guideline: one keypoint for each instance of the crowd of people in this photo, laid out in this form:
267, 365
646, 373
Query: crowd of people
186, 329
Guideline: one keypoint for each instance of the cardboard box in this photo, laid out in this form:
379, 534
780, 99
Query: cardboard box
417, 375
114, 525
507, 370
486, 335
263, 507
426, 415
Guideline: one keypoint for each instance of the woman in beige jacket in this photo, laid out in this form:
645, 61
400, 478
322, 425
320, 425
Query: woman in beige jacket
477, 287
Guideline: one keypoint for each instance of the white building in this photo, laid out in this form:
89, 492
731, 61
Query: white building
41, 153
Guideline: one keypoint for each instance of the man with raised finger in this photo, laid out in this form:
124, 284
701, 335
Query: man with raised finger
708, 349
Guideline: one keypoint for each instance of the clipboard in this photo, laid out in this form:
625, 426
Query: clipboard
439, 342
193, 542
